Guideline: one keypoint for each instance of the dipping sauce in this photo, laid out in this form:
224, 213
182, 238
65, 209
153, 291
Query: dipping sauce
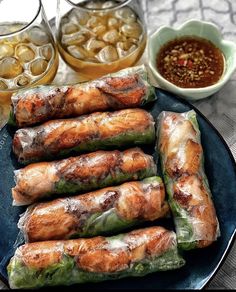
190, 62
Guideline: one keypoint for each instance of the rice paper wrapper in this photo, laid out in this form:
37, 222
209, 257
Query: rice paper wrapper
182, 162
135, 254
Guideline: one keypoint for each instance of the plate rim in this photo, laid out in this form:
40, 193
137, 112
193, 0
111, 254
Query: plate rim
233, 235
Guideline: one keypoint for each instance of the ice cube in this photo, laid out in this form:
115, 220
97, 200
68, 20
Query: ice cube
38, 66
77, 16
77, 52
22, 37
46, 52
95, 21
3, 85
10, 68
93, 5
76, 38
125, 48
94, 45
99, 30
69, 28
113, 22
122, 49
14, 27
22, 80
6, 50
133, 30
111, 36
133, 41
19, 37
122, 53
108, 4
126, 14
107, 54
123, 45
132, 49
38, 37
120, 45
126, 45
122, 38
24, 53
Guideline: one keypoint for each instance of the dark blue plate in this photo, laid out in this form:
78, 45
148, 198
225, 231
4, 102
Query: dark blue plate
200, 264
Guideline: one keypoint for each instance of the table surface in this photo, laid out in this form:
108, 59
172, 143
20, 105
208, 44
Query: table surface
220, 109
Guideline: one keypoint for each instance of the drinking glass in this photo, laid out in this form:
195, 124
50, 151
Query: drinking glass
28, 54
99, 37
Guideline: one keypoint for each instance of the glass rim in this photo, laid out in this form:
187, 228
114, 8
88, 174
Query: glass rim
25, 26
99, 9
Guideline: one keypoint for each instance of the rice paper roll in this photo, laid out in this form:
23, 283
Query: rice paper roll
51, 263
80, 174
124, 89
190, 198
101, 212
97, 131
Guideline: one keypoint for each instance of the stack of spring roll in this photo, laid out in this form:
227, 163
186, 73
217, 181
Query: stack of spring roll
63, 228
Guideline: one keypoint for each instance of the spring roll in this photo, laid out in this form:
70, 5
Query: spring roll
51, 263
80, 174
97, 131
102, 212
182, 163
124, 89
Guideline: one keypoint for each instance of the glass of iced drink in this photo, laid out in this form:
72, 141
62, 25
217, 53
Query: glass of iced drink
28, 54
99, 37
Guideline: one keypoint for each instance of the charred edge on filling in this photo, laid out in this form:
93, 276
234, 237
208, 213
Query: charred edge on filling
111, 198
117, 95
182, 198
113, 162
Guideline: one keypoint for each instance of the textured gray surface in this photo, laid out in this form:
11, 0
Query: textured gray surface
220, 109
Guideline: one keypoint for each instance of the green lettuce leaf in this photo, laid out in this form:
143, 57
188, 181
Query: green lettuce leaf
66, 272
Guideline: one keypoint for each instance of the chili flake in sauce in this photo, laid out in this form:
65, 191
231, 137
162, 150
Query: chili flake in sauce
190, 62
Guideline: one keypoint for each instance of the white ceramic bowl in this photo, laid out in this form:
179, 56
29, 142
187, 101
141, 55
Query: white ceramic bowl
198, 28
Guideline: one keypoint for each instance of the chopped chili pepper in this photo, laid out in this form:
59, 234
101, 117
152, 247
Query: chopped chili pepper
181, 62
190, 64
